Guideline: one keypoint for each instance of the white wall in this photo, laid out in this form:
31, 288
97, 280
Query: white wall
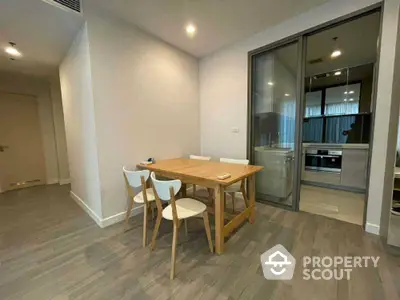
59, 128
146, 102
40, 88
223, 94
77, 99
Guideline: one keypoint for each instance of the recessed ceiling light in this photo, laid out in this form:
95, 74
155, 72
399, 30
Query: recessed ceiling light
287, 95
336, 53
346, 93
351, 92
270, 83
345, 99
12, 50
351, 99
338, 73
191, 29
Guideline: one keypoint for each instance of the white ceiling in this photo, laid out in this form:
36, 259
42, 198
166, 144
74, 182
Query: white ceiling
219, 22
42, 32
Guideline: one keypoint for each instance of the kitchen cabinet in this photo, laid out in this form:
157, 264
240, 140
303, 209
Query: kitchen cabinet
276, 179
354, 168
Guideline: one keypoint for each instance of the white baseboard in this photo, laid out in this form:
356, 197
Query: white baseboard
65, 181
372, 228
52, 181
119, 217
86, 208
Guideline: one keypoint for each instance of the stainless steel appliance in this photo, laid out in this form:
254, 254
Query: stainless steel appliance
323, 160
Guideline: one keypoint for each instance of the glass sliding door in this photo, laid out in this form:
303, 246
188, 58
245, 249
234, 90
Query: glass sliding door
273, 105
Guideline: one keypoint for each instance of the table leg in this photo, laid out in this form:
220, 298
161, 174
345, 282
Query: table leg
252, 197
183, 190
219, 219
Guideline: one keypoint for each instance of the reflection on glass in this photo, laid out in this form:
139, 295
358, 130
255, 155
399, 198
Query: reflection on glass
351, 129
342, 100
338, 105
274, 113
338, 129
313, 130
313, 104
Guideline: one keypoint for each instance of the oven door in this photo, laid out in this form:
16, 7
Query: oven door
331, 163
313, 162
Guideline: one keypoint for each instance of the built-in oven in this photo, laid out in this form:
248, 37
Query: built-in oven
323, 160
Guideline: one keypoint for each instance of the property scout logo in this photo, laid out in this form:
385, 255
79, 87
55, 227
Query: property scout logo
278, 264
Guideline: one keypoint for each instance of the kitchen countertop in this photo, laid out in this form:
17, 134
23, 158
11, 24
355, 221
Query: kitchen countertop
336, 146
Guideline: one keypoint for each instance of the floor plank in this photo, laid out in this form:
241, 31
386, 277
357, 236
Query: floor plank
50, 249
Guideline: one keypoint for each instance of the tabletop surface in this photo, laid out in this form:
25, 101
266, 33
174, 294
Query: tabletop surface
207, 170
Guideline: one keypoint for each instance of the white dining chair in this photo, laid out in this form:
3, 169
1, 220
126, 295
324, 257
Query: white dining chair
176, 211
198, 157
133, 180
237, 186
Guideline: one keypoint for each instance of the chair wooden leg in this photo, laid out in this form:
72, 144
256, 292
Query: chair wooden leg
155, 231
186, 228
210, 196
233, 201
152, 211
243, 190
173, 256
208, 230
128, 212
146, 209
224, 200
252, 197
183, 189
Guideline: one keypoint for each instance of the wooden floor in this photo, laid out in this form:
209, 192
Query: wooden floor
50, 249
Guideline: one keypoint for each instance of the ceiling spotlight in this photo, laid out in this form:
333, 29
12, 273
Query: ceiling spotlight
12, 50
336, 51
191, 30
351, 99
346, 93
270, 83
345, 99
351, 92
338, 73
287, 95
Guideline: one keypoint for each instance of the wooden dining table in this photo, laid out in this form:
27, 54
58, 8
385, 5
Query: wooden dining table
205, 173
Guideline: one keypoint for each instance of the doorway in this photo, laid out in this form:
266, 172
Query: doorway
311, 117
21, 149
337, 119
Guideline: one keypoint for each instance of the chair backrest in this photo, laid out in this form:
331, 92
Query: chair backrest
162, 187
134, 177
235, 161
198, 157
